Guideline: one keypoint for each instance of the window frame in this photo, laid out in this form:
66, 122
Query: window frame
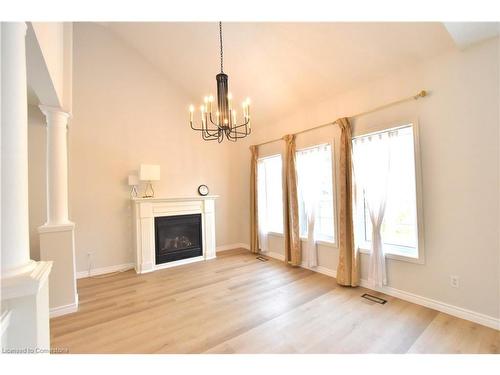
323, 242
273, 233
395, 254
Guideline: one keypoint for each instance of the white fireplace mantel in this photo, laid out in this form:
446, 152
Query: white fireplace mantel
146, 209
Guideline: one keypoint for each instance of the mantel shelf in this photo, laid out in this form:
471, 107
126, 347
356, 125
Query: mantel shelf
175, 199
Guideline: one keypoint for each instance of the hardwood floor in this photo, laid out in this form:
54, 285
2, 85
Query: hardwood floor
237, 304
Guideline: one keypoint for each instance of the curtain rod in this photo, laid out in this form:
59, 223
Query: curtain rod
421, 94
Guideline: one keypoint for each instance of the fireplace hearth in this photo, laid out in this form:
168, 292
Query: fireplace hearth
178, 237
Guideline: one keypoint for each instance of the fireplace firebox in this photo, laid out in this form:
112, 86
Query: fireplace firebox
178, 237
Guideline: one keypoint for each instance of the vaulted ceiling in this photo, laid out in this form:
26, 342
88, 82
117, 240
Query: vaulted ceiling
281, 65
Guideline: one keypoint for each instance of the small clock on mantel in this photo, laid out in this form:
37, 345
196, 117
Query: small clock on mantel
203, 190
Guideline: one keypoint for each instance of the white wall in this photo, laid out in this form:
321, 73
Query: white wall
50, 37
37, 129
459, 142
125, 113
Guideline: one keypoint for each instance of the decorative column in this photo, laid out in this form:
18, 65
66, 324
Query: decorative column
15, 222
57, 165
24, 282
57, 238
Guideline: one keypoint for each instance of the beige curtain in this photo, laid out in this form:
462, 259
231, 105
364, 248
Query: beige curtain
348, 268
254, 222
291, 208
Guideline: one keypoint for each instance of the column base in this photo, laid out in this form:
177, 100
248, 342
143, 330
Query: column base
25, 311
57, 244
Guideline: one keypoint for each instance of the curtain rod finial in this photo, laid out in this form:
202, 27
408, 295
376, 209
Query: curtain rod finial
421, 94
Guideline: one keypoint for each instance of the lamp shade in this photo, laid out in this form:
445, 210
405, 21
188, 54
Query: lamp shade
133, 180
149, 172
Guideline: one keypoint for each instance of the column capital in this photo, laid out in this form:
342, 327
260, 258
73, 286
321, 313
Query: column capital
54, 114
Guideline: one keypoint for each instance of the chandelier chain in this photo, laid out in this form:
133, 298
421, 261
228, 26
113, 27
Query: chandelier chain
221, 49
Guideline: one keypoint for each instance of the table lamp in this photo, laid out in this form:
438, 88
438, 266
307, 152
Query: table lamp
148, 173
133, 181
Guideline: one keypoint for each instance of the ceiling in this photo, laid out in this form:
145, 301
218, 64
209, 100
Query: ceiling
467, 33
281, 65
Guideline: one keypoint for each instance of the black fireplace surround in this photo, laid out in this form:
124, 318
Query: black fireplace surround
178, 237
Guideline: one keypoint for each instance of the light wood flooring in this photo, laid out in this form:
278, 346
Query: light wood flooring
238, 304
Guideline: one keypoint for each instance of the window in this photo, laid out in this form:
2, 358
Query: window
315, 192
269, 194
399, 227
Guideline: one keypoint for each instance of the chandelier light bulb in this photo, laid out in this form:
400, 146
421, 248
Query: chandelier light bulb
191, 108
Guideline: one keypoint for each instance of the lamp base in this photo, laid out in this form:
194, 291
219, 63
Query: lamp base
133, 192
149, 191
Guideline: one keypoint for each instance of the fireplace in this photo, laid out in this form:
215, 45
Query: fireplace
178, 237
146, 212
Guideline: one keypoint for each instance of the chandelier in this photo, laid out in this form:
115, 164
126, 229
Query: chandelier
214, 126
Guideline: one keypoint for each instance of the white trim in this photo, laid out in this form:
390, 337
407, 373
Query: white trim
176, 199
232, 247
392, 256
47, 228
414, 125
104, 270
63, 310
324, 243
456, 311
270, 156
276, 234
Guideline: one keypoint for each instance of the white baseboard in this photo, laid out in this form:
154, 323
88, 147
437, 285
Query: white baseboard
232, 246
104, 270
456, 311
63, 310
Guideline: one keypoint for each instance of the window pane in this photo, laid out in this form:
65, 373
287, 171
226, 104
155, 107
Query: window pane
399, 228
315, 193
270, 202
400, 219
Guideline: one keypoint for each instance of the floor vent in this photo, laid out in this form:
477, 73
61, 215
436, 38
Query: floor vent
374, 299
262, 259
